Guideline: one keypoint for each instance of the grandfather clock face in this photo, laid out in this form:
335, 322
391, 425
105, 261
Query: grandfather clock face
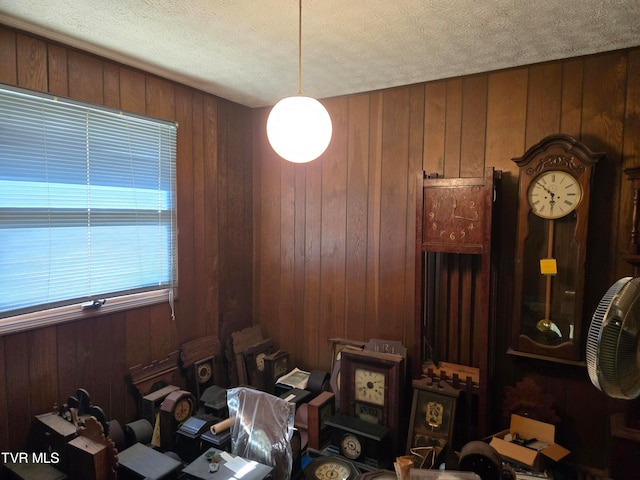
553, 217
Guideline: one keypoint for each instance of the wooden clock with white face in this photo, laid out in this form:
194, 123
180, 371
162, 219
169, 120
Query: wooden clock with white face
555, 179
371, 386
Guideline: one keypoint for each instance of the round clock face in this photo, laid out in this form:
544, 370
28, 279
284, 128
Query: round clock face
330, 468
554, 194
204, 372
260, 361
350, 446
183, 409
369, 386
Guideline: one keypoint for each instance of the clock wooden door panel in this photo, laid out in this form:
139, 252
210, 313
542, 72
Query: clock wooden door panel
551, 247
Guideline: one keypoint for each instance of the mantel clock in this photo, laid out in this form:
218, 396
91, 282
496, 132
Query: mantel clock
555, 178
371, 386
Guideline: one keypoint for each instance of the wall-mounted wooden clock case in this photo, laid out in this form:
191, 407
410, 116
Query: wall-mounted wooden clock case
555, 178
371, 387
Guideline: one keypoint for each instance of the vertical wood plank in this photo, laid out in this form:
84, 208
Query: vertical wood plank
111, 82
376, 125
393, 212
435, 111
132, 91
211, 215
85, 78
8, 57
313, 322
333, 241
297, 350
200, 245
356, 217
115, 366
474, 125
43, 374
270, 213
58, 70
185, 310
453, 129
416, 145
235, 228
67, 360
571, 107
16, 357
506, 117
543, 102
32, 63
160, 98
286, 324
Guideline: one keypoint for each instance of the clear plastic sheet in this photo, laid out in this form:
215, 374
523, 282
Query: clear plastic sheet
262, 429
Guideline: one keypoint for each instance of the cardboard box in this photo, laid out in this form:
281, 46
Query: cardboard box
525, 428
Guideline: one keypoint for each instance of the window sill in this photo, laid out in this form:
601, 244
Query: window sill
56, 316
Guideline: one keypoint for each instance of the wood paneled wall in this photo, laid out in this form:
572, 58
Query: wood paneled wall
333, 239
326, 250
214, 183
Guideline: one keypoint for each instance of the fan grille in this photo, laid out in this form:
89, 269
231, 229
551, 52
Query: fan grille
612, 343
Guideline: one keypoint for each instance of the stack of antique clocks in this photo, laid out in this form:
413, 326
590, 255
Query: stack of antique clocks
348, 422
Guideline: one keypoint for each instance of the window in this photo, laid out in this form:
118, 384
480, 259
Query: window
87, 203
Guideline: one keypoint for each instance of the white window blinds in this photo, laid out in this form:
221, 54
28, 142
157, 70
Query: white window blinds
87, 203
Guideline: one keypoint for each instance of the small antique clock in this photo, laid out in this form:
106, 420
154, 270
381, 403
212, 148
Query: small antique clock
255, 362
276, 365
175, 409
551, 245
371, 386
197, 357
319, 410
330, 468
358, 440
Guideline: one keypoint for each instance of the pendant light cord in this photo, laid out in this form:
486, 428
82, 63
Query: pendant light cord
300, 47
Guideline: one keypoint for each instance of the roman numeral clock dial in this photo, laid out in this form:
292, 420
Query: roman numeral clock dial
554, 194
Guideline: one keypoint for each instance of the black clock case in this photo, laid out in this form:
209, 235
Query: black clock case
373, 438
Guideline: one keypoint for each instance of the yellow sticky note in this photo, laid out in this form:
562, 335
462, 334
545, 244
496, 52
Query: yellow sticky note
548, 266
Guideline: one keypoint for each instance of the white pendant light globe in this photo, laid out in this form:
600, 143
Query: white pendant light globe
299, 128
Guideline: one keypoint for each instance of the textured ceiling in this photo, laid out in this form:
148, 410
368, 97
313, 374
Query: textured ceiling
247, 50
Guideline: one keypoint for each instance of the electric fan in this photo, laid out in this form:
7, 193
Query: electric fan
613, 357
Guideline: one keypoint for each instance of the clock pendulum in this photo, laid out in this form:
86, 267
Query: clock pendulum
553, 195
546, 324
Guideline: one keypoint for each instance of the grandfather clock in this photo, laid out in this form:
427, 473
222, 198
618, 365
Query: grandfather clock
454, 277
